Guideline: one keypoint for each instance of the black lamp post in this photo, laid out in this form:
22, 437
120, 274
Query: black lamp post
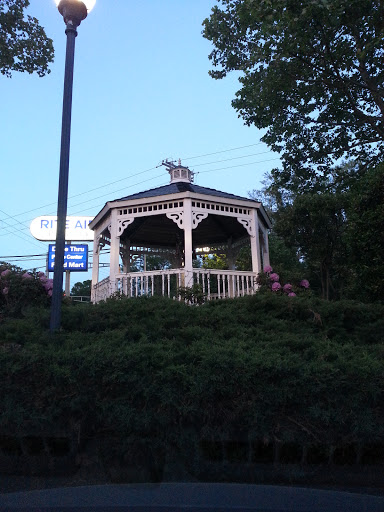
73, 12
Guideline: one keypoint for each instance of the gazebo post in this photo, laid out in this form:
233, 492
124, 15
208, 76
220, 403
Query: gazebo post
95, 264
266, 248
115, 251
255, 243
187, 223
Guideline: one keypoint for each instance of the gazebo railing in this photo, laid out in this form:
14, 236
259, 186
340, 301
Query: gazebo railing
101, 290
223, 284
214, 284
150, 283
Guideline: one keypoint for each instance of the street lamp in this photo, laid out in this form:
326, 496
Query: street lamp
73, 12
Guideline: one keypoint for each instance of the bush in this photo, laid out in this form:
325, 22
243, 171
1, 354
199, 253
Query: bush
19, 290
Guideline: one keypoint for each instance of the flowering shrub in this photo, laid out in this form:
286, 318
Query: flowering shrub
269, 280
20, 289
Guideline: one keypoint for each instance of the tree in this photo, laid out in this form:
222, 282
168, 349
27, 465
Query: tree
365, 236
82, 289
312, 75
24, 45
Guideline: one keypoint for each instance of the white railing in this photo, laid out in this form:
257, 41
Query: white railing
214, 284
154, 282
223, 284
101, 290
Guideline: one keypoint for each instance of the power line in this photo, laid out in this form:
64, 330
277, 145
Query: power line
234, 158
223, 151
82, 193
89, 200
144, 181
239, 165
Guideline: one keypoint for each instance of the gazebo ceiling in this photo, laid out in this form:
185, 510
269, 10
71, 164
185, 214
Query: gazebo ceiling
160, 231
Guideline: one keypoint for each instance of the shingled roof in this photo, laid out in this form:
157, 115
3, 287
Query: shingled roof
181, 186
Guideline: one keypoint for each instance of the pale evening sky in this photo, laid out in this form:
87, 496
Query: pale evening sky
141, 94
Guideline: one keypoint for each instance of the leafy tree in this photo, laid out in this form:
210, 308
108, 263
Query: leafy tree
312, 75
315, 224
82, 289
214, 261
151, 262
365, 235
24, 45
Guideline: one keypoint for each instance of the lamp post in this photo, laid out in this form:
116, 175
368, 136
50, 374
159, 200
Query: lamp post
73, 12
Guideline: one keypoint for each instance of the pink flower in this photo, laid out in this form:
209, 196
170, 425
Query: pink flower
268, 269
26, 276
304, 283
292, 294
274, 277
48, 285
287, 288
5, 291
49, 293
276, 287
5, 273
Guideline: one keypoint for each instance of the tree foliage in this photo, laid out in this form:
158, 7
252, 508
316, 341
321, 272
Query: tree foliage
82, 288
312, 75
333, 233
24, 45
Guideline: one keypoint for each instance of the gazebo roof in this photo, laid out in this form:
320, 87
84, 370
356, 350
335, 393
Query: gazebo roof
182, 183
181, 186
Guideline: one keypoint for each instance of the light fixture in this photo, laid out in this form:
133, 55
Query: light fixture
74, 11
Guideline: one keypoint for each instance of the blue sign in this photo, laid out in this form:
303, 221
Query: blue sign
75, 258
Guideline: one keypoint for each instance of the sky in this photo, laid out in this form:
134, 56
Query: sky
141, 94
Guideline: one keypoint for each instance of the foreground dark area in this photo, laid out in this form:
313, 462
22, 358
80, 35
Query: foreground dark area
194, 497
261, 389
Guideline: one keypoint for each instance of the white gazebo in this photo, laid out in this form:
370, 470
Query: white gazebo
178, 221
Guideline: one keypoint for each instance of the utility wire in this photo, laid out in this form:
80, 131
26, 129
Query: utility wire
144, 181
137, 174
240, 165
234, 158
223, 151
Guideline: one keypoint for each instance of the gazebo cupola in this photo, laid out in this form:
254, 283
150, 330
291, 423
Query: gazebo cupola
178, 172
178, 221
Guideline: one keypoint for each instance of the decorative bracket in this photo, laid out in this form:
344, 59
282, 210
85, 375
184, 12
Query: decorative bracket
100, 243
247, 223
177, 218
197, 218
123, 223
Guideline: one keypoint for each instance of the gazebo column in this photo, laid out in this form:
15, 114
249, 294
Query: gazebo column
231, 255
126, 257
255, 243
266, 246
115, 251
95, 264
188, 226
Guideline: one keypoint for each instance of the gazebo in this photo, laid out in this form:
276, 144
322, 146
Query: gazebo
179, 221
